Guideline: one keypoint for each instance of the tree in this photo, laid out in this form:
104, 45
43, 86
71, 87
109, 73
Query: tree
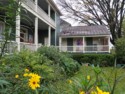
97, 12
8, 12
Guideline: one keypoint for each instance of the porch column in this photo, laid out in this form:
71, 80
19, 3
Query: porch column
109, 44
49, 10
60, 43
49, 36
36, 33
18, 31
55, 31
55, 37
83, 42
36, 4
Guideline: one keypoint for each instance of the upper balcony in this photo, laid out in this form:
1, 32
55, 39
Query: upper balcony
40, 11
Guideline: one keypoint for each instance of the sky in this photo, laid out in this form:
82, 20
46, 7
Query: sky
71, 21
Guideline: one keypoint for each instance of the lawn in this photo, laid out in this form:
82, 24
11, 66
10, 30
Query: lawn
108, 73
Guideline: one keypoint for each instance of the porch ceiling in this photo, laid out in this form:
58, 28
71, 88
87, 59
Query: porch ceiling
28, 19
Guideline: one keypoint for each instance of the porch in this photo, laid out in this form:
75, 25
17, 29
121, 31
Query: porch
38, 28
97, 44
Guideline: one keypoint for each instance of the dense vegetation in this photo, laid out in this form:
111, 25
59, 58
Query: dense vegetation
54, 73
49, 63
95, 59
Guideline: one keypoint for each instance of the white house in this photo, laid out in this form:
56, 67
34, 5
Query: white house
84, 39
40, 29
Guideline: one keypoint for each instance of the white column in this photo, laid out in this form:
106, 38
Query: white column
49, 10
18, 31
109, 44
55, 37
83, 42
55, 17
60, 43
36, 4
49, 36
36, 33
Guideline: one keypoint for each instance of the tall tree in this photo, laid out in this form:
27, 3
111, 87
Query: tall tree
97, 12
9, 9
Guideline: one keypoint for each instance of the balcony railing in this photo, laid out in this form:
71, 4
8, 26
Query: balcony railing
85, 49
10, 47
39, 12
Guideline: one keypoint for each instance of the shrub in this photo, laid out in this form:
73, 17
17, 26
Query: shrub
120, 50
67, 64
96, 59
15, 64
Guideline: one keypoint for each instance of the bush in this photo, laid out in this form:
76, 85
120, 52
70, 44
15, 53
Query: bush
120, 50
15, 64
96, 59
67, 64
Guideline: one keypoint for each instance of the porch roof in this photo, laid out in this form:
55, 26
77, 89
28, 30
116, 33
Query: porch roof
84, 31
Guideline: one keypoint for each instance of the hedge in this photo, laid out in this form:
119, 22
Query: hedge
96, 59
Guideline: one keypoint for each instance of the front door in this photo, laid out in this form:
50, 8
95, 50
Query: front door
89, 44
70, 44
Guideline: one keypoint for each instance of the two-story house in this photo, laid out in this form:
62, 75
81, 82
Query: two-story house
40, 29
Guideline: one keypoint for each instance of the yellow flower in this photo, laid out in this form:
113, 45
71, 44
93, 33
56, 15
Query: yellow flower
93, 92
25, 74
81, 92
33, 83
88, 77
36, 76
70, 81
16, 76
100, 91
26, 70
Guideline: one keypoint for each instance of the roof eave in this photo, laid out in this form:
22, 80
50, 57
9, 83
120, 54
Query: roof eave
51, 2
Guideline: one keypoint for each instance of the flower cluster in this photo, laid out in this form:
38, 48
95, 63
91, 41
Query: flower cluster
99, 91
81, 92
33, 81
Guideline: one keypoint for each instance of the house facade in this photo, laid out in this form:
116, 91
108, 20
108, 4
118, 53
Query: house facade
85, 39
40, 26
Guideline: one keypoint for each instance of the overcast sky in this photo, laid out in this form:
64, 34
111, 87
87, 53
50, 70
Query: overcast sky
71, 21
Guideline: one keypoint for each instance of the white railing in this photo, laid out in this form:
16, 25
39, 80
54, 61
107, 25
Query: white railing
29, 46
85, 49
10, 46
30, 4
40, 12
45, 16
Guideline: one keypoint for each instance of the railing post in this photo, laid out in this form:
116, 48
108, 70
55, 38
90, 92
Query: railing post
60, 43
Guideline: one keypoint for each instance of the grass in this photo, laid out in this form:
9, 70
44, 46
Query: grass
108, 74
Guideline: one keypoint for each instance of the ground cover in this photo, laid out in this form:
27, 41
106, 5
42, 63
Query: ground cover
65, 86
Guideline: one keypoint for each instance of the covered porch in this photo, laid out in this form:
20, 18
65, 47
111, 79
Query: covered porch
97, 44
33, 31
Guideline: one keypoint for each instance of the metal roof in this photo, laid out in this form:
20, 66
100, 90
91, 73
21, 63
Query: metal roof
84, 31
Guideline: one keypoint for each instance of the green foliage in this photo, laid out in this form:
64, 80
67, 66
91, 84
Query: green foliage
9, 10
96, 59
16, 63
49, 69
3, 85
66, 63
120, 50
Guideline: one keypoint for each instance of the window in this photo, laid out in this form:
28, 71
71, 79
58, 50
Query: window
24, 35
